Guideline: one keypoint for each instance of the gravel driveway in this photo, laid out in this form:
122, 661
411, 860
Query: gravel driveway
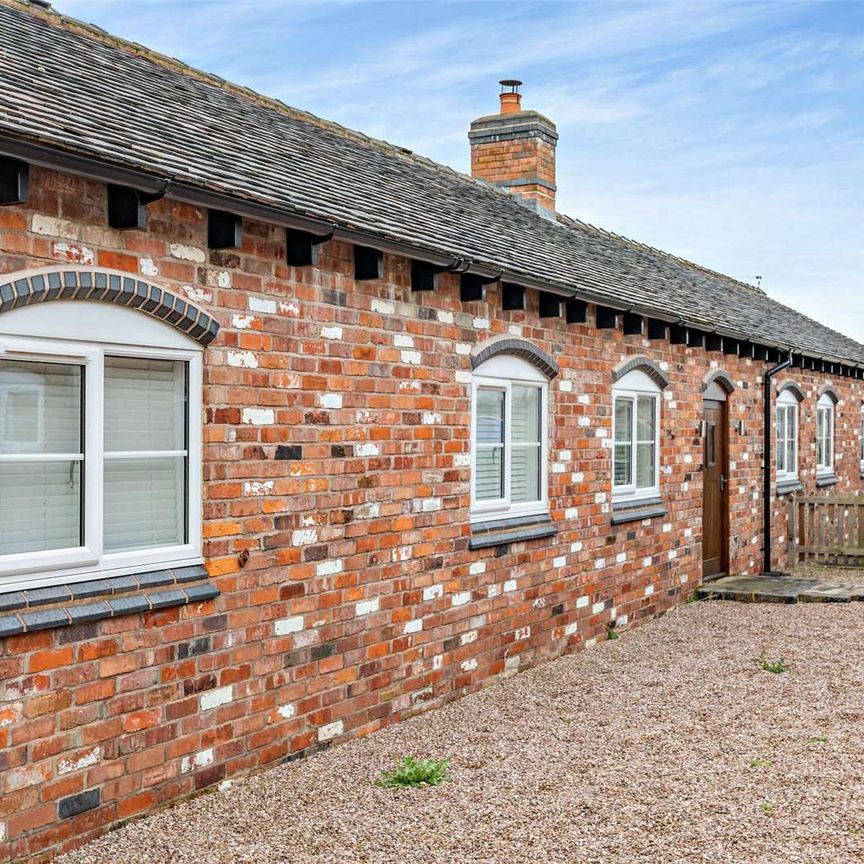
667, 745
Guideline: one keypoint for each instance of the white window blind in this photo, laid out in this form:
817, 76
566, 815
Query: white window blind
145, 453
489, 457
41, 456
787, 431
525, 444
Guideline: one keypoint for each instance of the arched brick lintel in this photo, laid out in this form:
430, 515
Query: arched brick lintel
106, 286
793, 388
830, 392
521, 348
643, 364
721, 378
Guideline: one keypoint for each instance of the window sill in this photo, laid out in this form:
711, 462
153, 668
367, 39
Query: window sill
33, 609
501, 532
786, 487
636, 511
823, 480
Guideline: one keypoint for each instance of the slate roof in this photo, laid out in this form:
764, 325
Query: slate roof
73, 88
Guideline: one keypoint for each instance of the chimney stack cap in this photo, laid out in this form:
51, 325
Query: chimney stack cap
510, 84
511, 98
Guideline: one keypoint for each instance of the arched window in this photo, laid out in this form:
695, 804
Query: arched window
510, 420
636, 437
787, 434
825, 435
100, 442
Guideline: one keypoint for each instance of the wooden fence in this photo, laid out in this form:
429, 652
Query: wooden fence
830, 530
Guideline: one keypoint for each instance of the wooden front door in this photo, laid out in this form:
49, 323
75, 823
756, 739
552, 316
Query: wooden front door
715, 479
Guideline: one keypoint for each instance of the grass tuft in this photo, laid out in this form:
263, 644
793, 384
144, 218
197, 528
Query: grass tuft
761, 763
775, 666
414, 772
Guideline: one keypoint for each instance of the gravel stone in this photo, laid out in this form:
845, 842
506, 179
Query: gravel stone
669, 744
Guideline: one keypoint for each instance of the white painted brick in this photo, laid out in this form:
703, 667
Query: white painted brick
461, 598
304, 537
242, 359
199, 760
584, 399
565, 455
514, 329
242, 322
289, 308
187, 253
412, 358
600, 498
576, 546
198, 294
367, 607
329, 568
597, 608
403, 340
477, 567
558, 467
646, 562
565, 386
437, 661
511, 664
433, 592
445, 317
383, 307
463, 348
673, 554
571, 513
261, 304
582, 602
371, 510
522, 633
76, 254
430, 418
258, 487
577, 477
214, 698
463, 377
480, 323
584, 422
510, 585
599, 563
560, 561
430, 505
493, 590
402, 553
331, 730
90, 758
468, 638
286, 626
621, 557
286, 711
366, 448
414, 626
571, 628
330, 400
331, 332
51, 227
259, 416
461, 460
468, 665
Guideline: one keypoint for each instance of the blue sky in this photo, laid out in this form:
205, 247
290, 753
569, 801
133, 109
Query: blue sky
726, 132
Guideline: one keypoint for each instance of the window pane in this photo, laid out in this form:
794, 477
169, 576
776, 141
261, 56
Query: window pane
40, 407
645, 465
623, 420
623, 471
525, 474
490, 416
645, 414
144, 502
40, 506
526, 413
489, 474
145, 404
791, 433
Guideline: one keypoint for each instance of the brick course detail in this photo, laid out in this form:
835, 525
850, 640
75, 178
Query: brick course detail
337, 530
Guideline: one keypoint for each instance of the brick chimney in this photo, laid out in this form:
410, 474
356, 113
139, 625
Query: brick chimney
515, 149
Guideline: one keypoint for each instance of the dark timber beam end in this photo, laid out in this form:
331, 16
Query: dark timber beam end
512, 297
472, 288
695, 339
576, 312
424, 276
126, 210
713, 342
301, 247
607, 319
632, 324
224, 230
677, 334
368, 263
14, 181
550, 304
657, 329
731, 346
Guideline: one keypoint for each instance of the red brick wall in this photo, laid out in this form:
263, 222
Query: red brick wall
148, 708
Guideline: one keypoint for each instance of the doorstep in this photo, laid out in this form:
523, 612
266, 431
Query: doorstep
779, 589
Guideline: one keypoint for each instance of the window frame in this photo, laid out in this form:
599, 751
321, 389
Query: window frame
631, 387
861, 443
37, 569
788, 403
826, 408
501, 373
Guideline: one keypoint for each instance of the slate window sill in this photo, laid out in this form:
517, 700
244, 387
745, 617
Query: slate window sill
59, 605
823, 480
787, 487
636, 511
502, 532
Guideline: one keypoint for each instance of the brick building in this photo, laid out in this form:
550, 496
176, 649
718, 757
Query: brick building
301, 433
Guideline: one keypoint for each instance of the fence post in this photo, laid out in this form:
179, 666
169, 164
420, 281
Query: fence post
793, 536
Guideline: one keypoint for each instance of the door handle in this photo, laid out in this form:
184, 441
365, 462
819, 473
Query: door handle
722, 482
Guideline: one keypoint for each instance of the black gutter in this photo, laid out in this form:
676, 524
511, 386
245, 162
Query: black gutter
768, 430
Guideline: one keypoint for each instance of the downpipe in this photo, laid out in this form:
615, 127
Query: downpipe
767, 406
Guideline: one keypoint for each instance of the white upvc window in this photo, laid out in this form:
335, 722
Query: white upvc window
636, 438
509, 440
100, 444
825, 435
787, 436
